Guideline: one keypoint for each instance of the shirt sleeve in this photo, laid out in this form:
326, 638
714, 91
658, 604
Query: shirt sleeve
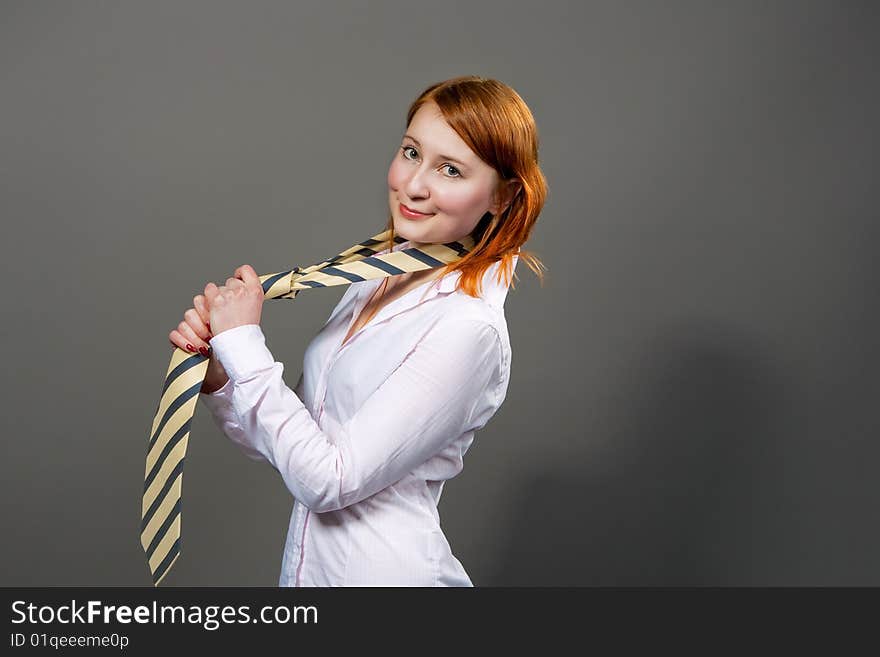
219, 403
449, 384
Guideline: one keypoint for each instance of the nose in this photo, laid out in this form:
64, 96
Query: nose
416, 187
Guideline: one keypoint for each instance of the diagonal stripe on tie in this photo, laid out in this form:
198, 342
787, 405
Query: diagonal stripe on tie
161, 507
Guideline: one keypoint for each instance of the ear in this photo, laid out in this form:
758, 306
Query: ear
505, 196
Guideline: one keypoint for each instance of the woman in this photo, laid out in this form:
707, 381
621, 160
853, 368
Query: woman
406, 368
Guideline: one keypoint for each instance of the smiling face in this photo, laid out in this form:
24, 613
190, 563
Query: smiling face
435, 173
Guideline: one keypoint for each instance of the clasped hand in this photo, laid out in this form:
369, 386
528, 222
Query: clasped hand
238, 302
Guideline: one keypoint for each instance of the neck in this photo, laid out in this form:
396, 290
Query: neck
404, 282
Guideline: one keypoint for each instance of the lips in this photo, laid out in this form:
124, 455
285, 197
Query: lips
412, 214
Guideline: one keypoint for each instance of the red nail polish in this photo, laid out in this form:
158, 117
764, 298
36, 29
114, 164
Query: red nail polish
203, 351
190, 347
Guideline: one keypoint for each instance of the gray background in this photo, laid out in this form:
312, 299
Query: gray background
694, 389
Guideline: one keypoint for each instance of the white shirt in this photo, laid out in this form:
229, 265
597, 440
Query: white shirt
373, 429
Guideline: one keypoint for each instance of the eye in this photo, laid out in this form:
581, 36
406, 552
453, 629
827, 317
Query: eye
405, 149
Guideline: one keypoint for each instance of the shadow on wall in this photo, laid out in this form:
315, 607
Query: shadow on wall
676, 498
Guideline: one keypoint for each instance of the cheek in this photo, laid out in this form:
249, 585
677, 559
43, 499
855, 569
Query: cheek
396, 173
461, 201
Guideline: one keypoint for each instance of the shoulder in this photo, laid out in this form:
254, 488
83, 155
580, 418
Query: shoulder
474, 324
487, 309
475, 332
471, 338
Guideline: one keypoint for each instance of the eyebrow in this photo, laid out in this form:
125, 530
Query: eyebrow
442, 157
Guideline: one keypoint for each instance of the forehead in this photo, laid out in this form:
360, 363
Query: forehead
431, 129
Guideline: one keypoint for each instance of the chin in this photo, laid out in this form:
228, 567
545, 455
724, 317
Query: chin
412, 236
408, 231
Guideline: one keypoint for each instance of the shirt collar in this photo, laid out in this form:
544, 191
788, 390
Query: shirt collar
493, 291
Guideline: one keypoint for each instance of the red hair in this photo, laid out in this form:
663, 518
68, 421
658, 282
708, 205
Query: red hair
497, 125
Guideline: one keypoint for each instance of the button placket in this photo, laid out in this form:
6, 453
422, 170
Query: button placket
304, 517
386, 313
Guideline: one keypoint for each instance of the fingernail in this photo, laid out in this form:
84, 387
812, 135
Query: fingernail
190, 347
203, 351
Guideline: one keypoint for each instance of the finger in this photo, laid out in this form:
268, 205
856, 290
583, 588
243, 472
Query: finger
193, 340
211, 291
248, 275
202, 309
195, 322
234, 283
177, 339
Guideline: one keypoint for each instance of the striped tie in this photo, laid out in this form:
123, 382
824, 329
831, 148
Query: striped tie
163, 478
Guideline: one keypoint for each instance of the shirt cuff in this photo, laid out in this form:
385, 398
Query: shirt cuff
242, 351
221, 395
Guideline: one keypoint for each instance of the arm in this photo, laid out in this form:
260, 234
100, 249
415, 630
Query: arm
219, 403
446, 386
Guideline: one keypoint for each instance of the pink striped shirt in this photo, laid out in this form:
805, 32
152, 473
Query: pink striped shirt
373, 429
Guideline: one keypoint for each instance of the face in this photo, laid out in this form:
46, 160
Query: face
436, 174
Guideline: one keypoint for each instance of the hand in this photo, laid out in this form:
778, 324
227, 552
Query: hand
193, 333
238, 302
